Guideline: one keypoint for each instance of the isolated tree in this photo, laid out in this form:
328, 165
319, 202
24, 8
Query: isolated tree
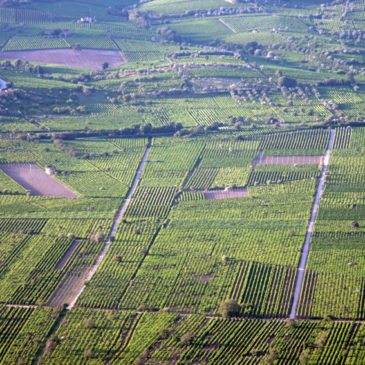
271, 357
99, 237
89, 323
163, 332
105, 65
290, 323
186, 339
304, 357
52, 343
229, 308
286, 81
88, 354
355, 224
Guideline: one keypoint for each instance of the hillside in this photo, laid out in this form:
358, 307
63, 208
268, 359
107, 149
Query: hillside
182, 182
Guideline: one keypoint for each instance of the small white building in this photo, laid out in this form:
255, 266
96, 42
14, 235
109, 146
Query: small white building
50, 170
87, 19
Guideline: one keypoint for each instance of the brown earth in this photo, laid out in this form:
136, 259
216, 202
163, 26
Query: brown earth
288, 160
85, 58
225, 194
33, 178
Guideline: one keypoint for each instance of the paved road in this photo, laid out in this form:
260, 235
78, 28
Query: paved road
2, 84
115, 226
306, 247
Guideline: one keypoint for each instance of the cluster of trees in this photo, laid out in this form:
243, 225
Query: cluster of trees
25, 66
67, 110
55, 33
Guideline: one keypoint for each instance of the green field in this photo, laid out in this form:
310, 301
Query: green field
216, 154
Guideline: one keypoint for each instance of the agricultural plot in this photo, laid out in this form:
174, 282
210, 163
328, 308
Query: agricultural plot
85, 58
228, 194
34, 179
24, 328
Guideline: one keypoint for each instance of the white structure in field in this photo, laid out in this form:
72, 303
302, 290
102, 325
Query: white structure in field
50, 170
87, 19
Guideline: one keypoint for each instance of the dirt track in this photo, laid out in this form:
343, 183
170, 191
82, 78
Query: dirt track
33, 178
85, 58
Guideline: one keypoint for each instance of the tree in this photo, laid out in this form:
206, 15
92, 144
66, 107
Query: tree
350, 77
99, 237
229, 308
271, 357
355, 224
52, 343
88, 353
89, 323
147, 129
186, 339
105, 65
163, 332
285, 81
290, 323
304, 357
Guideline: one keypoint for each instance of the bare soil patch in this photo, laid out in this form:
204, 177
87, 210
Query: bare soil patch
204, 278
68, 254
225, 194
33, 178
85, 58
69, 288
288, 160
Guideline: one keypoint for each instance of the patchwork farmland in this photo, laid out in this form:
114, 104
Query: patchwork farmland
182, 182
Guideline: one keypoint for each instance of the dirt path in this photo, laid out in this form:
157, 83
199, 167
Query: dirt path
306, 247
115, 226
227, 26
2, 84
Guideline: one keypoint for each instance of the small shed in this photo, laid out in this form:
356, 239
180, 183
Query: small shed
50, 170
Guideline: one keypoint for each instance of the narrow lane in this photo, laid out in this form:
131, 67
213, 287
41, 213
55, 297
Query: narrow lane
306, 246
2, 84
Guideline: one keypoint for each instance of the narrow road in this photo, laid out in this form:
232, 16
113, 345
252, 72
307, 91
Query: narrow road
227, 26
2, 84
115, 226
306, 247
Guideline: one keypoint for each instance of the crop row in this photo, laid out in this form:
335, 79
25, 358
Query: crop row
202, 178
264, 289
301, 140
151, 202
32, 327
122, 260
27, 16
27, 226
278, 177
326, 293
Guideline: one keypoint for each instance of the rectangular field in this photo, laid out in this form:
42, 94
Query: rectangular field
33, 178
85, 58
225, 194
288, 160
